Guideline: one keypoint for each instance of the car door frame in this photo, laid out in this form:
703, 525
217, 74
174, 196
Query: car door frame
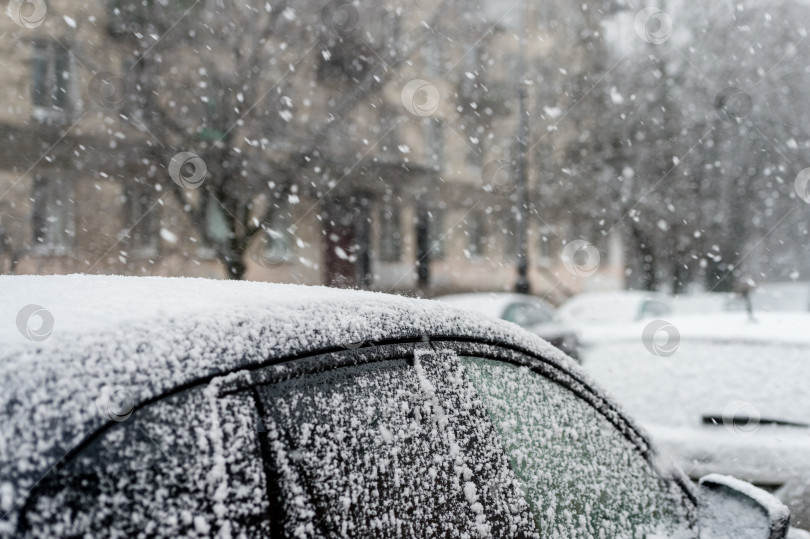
554, 370
558, 370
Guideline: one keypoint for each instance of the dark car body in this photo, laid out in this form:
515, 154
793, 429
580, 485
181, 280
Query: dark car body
166, 407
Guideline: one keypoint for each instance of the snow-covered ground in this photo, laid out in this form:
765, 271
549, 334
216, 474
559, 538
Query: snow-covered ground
710, 405
769, 297
767, 327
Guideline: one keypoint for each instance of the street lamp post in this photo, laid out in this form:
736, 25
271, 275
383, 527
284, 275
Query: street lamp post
522, 284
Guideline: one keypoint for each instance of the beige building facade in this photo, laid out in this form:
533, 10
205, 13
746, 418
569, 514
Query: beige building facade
428, 208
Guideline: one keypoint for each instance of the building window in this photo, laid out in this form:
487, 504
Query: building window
51, 80
216, 232
142, 219
279, 239
476, 235
390, 234
435, 143
475, 155
545, 253
437, 234
216, 224
509, 234
382, 27
434, 57
52, 216
472, 61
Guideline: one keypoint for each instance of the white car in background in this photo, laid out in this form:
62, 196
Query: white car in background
529, 312
719, 394
595, 315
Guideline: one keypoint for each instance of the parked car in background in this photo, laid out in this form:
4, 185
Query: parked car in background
186, 407
728, 395
614, 307
595, 315
529, 312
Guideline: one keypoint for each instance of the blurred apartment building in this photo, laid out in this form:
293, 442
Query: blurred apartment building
429, 206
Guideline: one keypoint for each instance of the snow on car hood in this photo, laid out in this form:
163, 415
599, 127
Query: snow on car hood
150, 335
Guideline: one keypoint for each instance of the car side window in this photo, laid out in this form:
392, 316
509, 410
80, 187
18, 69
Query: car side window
186, 465
653, 308
527, 314
400, 447
582, 477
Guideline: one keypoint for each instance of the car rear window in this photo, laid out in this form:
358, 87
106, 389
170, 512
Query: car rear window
187, 465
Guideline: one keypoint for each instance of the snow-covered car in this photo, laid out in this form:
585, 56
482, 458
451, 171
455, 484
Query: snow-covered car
187, 407
727, 395
614, 307
596, 315
529, 312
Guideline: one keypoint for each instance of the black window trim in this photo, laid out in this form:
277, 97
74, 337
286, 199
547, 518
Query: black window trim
271, 472
311, 362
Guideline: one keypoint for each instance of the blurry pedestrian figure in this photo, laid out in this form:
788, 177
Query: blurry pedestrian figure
744, 287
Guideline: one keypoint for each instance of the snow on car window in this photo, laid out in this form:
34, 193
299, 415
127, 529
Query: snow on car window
186, 466
402, 447
580, 474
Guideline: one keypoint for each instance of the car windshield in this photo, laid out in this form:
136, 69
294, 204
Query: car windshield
641, 169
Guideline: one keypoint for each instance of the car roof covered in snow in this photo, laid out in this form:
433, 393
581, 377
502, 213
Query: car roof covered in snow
156, 334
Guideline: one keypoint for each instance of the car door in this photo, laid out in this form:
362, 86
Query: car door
186, 465
460, 439
385, 442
